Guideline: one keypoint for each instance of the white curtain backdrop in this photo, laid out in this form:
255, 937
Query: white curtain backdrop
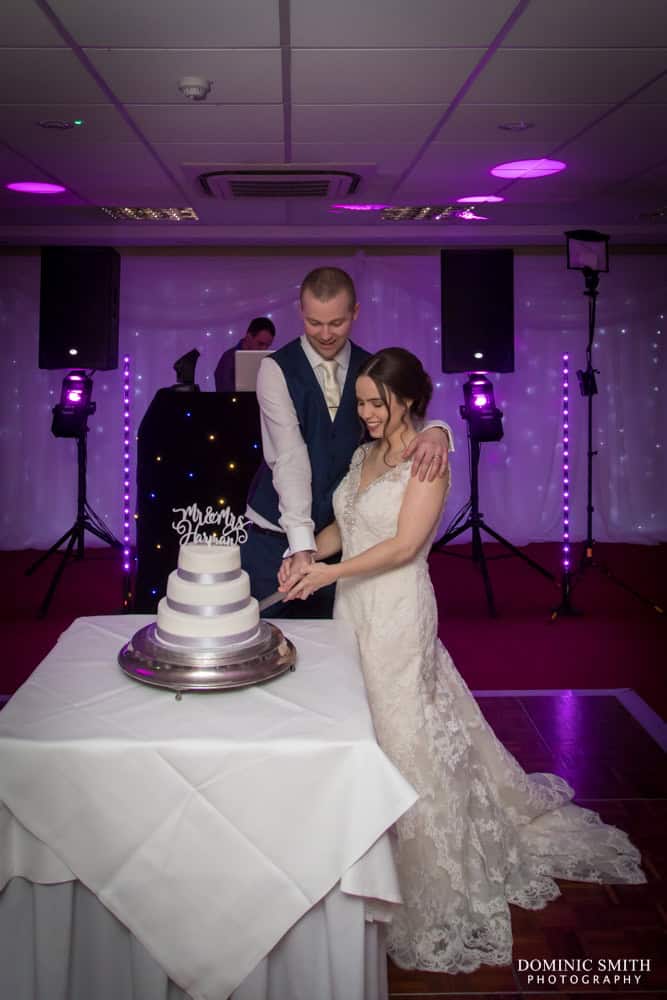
171, 303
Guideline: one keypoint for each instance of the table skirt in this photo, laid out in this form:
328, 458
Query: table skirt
58, 942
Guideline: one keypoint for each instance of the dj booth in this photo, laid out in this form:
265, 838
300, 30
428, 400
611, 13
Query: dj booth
197, 453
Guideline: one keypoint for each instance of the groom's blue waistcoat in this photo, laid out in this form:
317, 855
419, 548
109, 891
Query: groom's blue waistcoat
330, 443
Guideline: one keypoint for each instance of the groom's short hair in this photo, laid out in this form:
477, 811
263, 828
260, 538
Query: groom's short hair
326, 282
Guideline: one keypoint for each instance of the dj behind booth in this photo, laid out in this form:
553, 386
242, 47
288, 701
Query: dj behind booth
197, 453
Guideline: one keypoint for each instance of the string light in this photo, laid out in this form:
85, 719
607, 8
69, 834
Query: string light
126, 463
566, 466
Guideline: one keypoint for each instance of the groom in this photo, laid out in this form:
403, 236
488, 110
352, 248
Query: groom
310, 428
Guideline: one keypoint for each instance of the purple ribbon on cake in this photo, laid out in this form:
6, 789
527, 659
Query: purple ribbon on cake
185, 574
193, 642
208, 610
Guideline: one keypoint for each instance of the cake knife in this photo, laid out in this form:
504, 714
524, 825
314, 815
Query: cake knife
268, 602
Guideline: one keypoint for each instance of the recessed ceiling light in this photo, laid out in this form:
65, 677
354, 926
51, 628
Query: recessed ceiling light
519, 126
525, 169
55, 123
477, 199
35, 187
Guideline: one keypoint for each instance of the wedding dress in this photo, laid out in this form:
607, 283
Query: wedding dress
483, 832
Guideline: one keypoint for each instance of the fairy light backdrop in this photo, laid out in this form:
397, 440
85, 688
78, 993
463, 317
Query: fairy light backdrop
171, 304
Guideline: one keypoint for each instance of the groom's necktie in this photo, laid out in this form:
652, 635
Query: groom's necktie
330, 386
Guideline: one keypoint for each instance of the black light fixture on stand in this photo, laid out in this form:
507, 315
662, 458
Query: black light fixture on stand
588, 252
70, 420
484, 422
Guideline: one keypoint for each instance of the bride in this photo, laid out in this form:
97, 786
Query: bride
483, 833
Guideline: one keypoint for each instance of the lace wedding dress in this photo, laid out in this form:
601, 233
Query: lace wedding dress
483, 832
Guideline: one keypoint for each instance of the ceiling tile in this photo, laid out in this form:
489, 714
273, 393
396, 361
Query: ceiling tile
388, 158
655, 94
387, 23
380, 76
553, 123
122, 173
175, 154
200, 24
385, 123
32, 76
24, 23
19, 123
150, 76
457, 169
210, 123
577, 24
560, 76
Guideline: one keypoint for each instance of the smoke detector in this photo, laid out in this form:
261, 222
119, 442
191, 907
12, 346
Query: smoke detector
195, 88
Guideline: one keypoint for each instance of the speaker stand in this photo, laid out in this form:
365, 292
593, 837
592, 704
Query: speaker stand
86, 520
475, 521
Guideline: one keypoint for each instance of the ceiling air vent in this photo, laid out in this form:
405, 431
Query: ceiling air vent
278, 183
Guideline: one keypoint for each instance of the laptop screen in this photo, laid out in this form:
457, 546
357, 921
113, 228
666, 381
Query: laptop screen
246, 367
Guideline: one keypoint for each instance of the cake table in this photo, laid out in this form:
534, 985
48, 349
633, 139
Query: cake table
216, 829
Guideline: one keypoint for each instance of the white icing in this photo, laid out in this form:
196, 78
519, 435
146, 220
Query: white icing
203, 558
200, 627
208, 559
189, 592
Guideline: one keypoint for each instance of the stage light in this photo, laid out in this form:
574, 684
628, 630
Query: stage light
71, 413
587, 250
480, 410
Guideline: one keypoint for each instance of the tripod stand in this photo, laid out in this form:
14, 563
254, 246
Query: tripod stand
475, 521
589, 389
86, 520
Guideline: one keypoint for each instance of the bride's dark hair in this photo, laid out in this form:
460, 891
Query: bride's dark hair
398, 370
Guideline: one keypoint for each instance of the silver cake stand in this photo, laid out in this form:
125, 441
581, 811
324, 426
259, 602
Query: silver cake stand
146, 659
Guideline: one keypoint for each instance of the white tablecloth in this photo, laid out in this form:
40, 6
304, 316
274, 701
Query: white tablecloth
208, 826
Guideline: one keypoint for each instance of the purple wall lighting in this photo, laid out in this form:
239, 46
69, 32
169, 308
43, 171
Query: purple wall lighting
565, 561
35, 187
127, 564
526, 169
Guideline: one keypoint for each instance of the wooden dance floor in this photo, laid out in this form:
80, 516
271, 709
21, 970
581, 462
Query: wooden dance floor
597, 744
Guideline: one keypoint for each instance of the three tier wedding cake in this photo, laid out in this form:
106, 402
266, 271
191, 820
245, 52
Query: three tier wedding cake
208, 603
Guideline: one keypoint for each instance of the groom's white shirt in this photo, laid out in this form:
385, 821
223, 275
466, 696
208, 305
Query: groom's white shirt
285, 451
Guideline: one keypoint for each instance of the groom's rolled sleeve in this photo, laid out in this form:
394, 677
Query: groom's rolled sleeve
444, 427
286, 455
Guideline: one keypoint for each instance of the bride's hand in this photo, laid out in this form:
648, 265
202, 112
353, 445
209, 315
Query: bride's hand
315, 576
292, 569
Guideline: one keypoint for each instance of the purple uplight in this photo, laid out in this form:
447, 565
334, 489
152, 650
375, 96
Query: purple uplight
480, 401
525, 169
74, 396
478, 199
35, 187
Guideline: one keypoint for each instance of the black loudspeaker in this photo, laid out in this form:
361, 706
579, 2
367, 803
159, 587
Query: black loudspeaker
78, 308
477, 288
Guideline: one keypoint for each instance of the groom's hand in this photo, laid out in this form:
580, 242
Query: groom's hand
430, 453
293, 568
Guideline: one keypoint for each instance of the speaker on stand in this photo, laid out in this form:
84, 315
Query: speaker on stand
478, 337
